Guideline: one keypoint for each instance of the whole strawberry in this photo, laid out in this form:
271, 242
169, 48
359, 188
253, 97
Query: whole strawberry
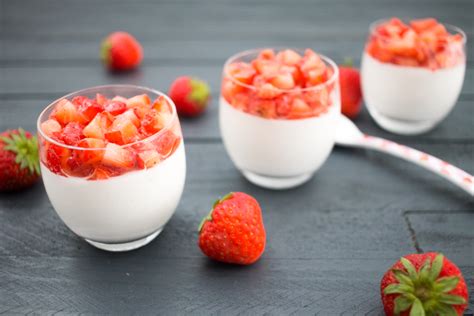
19, 161
190, 95
233, 231
121, 51
424, 284
351, 94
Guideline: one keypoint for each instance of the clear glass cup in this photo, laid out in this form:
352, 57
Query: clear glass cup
115, 209
406, 98
278, 153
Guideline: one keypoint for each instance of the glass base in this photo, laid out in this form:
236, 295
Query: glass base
126, 246
276, 183
402, 127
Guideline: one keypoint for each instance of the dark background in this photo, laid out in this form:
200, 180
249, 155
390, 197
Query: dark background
329, 241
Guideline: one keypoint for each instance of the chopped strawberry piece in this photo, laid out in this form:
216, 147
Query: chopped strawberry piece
167, 143
268, 91
51, 127
65, 112
154, 121
116, 156
56, 158
115, 107
87, 109
283, 81
138, 100
97, 127
266, 68
289, 57
119, 98
72, 133
129, 115
242, 72
421, 25
101, 99
299, 109
147, 159
91, 156
266, 54
122, 131
161, 105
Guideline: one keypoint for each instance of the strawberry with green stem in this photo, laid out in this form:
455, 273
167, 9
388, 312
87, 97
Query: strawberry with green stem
424, 284
19, 160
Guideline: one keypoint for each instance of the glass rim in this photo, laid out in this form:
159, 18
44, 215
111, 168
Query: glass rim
319, 86
167, 127
449, 27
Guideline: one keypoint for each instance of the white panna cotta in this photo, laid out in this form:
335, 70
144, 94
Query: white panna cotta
122, 208
411, 94
276, 147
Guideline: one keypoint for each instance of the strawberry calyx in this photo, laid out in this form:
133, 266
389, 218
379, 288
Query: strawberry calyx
423, 291
209, 215
199, 92
105, 51
25, 148
348, 62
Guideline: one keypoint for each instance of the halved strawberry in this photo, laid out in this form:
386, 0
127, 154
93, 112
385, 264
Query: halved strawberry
51, 127
72, 133
147, 159
115, 107
117, 156
65, 112
97, 127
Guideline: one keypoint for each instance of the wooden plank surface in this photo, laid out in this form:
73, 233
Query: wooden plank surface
329, 241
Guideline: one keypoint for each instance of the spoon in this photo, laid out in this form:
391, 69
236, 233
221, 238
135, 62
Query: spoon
350, 136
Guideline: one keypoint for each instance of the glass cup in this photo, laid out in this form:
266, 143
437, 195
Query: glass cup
277, 153
123, 205
405, 96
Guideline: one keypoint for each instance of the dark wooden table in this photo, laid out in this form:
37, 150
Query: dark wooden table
329, 241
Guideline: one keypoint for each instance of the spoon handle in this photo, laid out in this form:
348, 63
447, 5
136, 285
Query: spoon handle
457, 176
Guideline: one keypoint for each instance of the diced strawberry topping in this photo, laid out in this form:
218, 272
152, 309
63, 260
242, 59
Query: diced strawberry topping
116, 156
72, 133
147, 159
115, 107
100, 127
422, 43
51, 127
97, 127
65, 112
277, 80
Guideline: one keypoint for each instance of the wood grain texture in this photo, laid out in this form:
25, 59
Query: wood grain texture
329, 240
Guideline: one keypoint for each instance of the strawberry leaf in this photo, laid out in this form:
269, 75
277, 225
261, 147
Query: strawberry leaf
451, 299
402, 303
446, 284
410, 268
402, 277
417, 309
436, 267
398, 289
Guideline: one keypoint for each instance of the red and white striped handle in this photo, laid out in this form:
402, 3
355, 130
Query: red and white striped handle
457, 176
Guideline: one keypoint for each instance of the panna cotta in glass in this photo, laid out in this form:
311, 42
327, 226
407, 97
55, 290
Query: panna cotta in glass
113, 163
278, 113
412, 74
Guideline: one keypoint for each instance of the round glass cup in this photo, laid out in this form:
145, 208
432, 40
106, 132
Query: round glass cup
125, 204
409, 99
278, 153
